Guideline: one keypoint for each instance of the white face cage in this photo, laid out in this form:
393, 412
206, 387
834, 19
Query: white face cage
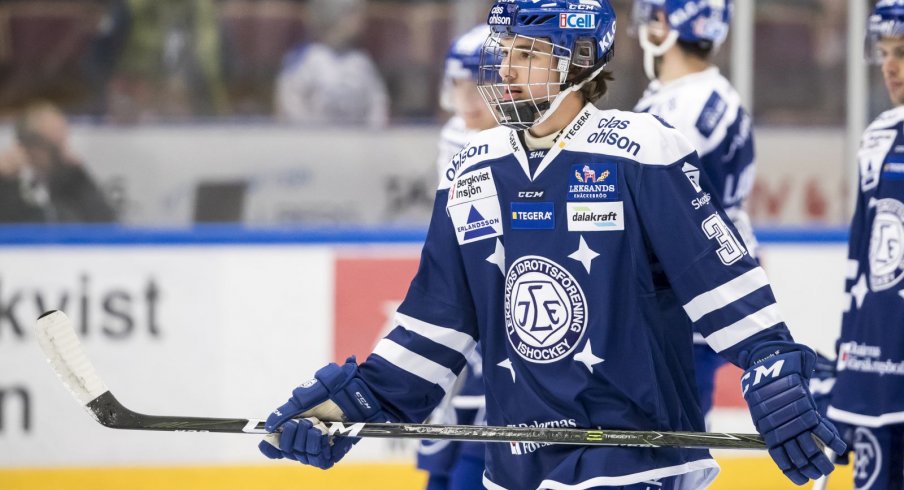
877, 30
522, 79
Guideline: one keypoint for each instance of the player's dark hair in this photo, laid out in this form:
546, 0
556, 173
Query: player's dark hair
596, 88
697, 49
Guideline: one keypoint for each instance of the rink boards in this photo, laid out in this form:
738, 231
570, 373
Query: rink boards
227, 329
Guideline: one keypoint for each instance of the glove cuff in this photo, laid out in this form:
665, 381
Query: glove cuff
350, 392
781, 369
765, 350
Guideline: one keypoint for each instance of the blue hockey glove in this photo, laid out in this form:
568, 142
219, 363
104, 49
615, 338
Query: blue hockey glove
775, 387
336, 394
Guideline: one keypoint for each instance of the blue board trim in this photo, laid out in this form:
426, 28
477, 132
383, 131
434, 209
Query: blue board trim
27, 235
23, 235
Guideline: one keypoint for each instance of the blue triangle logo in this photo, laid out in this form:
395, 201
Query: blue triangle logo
481, 227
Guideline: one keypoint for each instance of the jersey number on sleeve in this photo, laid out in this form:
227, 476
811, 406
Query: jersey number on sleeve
730, 248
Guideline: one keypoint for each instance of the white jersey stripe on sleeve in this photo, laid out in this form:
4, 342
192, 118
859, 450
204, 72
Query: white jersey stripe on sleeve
451, 338
851, 418
469, 402
727, 293
751, 324
415, 364
852, 267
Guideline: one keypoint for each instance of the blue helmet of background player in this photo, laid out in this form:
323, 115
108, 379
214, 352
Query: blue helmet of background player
887, 20
462, 62
579, 34
700, 22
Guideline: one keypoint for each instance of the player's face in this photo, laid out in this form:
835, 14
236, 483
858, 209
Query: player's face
891, 52
469, 105
526, 67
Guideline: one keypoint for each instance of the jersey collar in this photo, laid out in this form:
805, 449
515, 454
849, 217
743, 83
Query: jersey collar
657, 88
568, 134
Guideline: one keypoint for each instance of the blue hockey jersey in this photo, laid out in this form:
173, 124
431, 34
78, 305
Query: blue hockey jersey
707, 110
582, 281
869, 388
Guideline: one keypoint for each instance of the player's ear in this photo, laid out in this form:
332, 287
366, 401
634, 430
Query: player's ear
660, 19
659, 26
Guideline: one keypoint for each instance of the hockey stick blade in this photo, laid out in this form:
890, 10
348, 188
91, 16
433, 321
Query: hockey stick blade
65, 354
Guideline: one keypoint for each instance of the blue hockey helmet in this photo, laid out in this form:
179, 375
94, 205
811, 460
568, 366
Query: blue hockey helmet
696, 21
462, 61
702, 22
887, 20
576, 37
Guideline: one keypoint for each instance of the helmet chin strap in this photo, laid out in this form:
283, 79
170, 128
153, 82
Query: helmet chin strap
557, 100
652, 51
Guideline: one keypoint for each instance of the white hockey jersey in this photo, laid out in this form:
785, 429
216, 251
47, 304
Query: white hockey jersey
707, 110
453, 137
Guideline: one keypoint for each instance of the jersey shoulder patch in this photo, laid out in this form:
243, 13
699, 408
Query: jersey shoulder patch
640, 137
887, 119
485, 145
660, 143
713, 111
703, 106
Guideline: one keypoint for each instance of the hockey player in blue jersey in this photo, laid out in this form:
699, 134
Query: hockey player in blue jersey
459, 465
868, 397
569, 245
679, 38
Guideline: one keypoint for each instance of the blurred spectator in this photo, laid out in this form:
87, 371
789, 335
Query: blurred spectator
40, 179
171, 63
330, 80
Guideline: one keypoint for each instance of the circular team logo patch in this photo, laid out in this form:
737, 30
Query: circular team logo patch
867, 458
886, 245
545, 309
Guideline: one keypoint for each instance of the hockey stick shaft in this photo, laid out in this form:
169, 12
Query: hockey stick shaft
68, 359
822, 482
111, 413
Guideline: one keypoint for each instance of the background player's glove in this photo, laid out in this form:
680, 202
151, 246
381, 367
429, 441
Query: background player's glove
775, 387
821, 382
821, 385
336, 394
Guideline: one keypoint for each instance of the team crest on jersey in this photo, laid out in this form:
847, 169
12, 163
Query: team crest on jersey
886, 245
593, 182
545, 309
867, 458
